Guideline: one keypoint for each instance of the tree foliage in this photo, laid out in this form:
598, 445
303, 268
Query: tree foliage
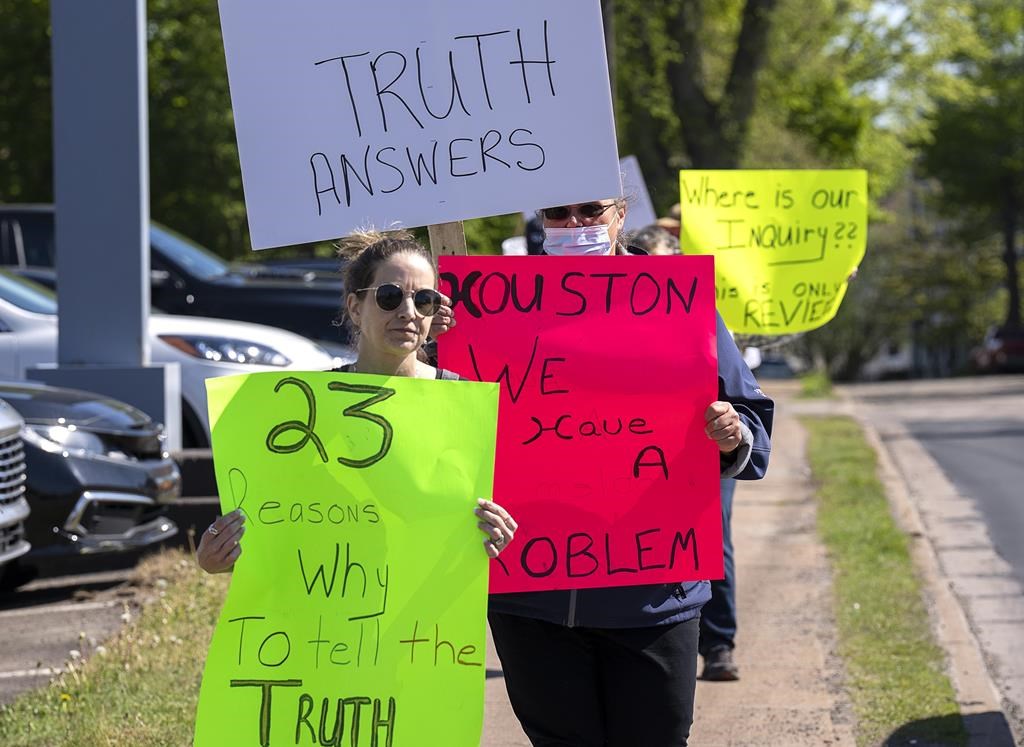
195, 183
26, 135
975, 149
195, 179
885, 86
742, 83
922, 282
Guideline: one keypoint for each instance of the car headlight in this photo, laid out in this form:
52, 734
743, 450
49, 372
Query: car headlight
227, 350
60, 438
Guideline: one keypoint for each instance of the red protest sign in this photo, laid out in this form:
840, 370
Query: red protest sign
606, 366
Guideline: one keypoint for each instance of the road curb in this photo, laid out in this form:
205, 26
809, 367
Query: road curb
977, 695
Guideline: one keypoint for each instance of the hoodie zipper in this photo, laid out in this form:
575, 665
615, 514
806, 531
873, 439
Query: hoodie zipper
572, 609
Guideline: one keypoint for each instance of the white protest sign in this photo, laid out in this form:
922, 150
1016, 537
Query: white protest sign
409, 113
641, 210
634, 188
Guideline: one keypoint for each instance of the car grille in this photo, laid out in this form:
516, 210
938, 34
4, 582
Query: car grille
12, 469
11, 537
12, 488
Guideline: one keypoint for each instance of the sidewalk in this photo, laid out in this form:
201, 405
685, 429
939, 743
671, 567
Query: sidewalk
789, 693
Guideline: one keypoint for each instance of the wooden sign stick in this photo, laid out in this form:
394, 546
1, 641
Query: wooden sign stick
447, 238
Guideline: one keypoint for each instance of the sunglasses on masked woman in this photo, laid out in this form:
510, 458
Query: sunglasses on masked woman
586, 211
389, 296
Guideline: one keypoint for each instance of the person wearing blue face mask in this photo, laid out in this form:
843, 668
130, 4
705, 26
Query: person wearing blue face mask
590, 228
617, 667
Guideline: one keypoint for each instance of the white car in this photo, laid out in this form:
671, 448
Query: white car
204, 347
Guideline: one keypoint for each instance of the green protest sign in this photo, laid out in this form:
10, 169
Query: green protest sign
356, 613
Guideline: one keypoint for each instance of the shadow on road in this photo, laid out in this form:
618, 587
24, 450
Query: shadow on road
938, 390
990, 729
71, 578
76, 589
952, 430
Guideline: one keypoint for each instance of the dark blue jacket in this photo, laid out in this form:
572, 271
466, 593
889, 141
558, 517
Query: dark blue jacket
662, 604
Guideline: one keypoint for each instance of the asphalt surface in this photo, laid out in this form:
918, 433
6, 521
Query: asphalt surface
974, 429
74, 605
985, 461
47, 620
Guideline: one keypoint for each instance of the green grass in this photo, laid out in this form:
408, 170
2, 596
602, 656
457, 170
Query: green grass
815, 384
140, 688
896, 672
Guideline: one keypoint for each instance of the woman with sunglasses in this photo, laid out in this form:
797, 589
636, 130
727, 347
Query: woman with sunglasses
590, 228
391, 308
617, 667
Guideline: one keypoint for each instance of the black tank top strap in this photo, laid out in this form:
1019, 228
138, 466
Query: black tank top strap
446, 375
443, 374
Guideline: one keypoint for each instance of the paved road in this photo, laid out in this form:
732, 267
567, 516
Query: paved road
974, 429
959, 444
985, 461
77, 601
48, 618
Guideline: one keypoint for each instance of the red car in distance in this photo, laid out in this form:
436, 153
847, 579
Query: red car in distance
1001, 352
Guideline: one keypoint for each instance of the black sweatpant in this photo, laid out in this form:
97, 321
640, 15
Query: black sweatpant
599, 687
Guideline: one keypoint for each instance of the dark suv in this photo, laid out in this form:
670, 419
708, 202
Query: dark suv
188, 279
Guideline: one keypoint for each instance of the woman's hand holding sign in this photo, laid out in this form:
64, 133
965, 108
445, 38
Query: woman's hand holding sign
497, 524
444, 319
722, 424
219, 546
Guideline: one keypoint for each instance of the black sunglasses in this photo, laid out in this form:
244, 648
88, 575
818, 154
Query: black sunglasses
587, 211
389, 296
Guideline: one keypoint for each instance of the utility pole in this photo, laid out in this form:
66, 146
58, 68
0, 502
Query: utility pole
101, 190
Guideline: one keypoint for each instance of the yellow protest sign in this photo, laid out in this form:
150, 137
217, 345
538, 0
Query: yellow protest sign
357, 610
784, 242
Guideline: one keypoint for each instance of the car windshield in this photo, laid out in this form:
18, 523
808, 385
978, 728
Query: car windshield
27, 295
190, 256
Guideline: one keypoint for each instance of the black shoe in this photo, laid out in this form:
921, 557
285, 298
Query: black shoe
719, 666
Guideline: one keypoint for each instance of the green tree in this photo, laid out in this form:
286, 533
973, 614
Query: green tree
26, 135
683, 99
976, 145
195, 177
923, 281
759, 84
195, 183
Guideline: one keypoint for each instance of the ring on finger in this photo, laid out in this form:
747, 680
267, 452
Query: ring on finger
213, 530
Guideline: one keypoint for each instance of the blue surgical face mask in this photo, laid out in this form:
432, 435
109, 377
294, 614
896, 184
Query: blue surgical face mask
578, 242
